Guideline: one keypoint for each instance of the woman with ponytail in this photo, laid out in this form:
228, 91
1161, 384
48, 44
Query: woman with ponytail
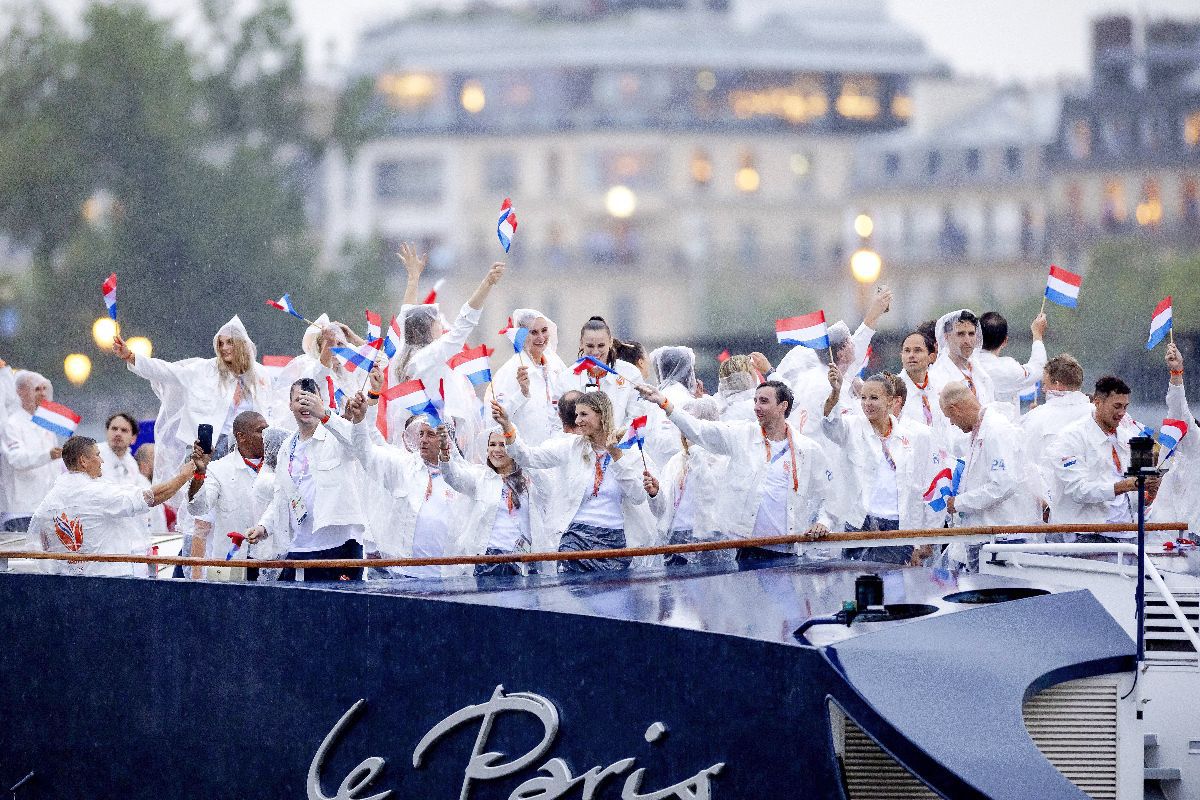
616, 378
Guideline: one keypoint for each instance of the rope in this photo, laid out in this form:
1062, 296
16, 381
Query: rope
935, 534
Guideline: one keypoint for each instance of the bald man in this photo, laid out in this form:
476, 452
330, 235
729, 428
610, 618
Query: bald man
29, 454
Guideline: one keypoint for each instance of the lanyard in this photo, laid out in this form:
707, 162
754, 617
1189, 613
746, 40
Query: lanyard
252, 465
601, 468
433, 473
966, 376
789, 448
292, 454
506, 494
1116, 457
887, 454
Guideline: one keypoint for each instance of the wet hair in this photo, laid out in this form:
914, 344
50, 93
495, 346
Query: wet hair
926, 337
566, 406
899, 387
885, 379
125, 415
1063, 370
964, 316
516, 481
633, 352
599, 403
597, 323
839, 347
737, 363
75, 448
995, 329
783, 394
1110, 384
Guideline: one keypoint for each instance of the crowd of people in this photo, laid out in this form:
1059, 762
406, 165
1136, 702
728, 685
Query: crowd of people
621, 448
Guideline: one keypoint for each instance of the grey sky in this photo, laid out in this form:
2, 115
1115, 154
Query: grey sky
1004, 39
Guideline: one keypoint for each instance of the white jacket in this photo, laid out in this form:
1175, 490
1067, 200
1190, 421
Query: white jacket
225, 503
536, 416
1179, 495
619, 388
914, 407
994, 489
705, 476
1084, 473
738, 503
737, 405
125, 471
662, 438
1041, 426
1010, 378
912, 449
336, 480
572, 459
483, 487
26, 471
107, 517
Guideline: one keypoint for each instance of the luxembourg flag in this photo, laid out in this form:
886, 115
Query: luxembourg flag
56, 418
1160, 323
362, 358
474, 364
516, 335
374, 326
506, 228
431, 298
636, 435
109, 289
1062, 287
808, 330
285, 304
412, 395
1170, 433
588, 362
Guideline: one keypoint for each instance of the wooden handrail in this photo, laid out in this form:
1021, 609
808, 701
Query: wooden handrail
934, 534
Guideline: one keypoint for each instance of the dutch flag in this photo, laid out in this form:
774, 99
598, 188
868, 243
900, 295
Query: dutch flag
944, 484
1031, 393
1171, 432
285, 304
808, 330
374, 326
635, 435
362, 358
1062, 287
394, 339
413, 396
1160, 323
506, 228
431, 298
236, 539
109, 289
516, 335
588, 362
474, 364
56, 418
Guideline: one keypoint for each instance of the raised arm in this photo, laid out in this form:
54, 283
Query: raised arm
152, 369
832, 424
550, 454
492, 277
716, 437
414, 265
1177, 404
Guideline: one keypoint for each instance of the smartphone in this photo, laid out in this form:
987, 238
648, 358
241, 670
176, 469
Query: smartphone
309, 385
204, 434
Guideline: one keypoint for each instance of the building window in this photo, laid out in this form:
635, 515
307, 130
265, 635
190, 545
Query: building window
748, 246
553, 171
624, 316
933, 163
1191, 200
472, 97
801, 166
891, 164
952, 239
1149, 211
1075, 205
806, 248
411, 180
1191, 130
1012, 160
746, 178
500, 173
408, 91
988, 229
859, 98
972, 159
1079, 140
701, 168
1113, 213
1028, 234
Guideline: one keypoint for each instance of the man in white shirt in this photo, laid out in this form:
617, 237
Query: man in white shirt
29, 454
1090, 457
1010, 379
315, 502
121, 467
1062, 379
918, 351
223, 500
958, 342
84, 514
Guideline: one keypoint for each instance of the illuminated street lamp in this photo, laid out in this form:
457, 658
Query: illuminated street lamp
141, 346
864, 226
77, 368
620, 202
104, 330
865, 265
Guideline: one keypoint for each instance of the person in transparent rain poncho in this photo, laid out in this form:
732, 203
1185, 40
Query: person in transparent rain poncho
736, 381
198, 391
317, 361
687, 488
530, 382
428, 345
596, 340
959, 343
673, 371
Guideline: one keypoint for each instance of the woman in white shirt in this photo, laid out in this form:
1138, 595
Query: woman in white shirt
885, 462
596, 340
597, 482
530, 383
505, 515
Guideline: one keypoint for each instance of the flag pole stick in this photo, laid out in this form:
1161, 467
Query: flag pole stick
1043, 311
1171, 335
645, 466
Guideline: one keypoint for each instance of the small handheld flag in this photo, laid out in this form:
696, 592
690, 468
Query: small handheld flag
109, 289
374, 326
363, 358
237, 539
945, 484
1032, 393
635, 435
517, 335
473, 363
862, 373
1062, 287
1160, 323
56, 418
285, 304
1171, 432
431, 298
723, 356
808, 330
413, 396
588, 362
506, 228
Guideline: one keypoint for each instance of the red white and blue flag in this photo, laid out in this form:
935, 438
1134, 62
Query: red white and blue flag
1171, 432
413, 396
362, 358
516, 335
236, 539
506, 228
431, 298
1062, 287
944, 484
635, 435
808, 330
285, 304
589, 362
109, 290
473, 363
374, 326
1160, 323
56, 418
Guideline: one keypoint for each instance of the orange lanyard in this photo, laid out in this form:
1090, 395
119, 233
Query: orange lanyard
429, 482
966, 376
507, 494
791, 449
601, 468
886, 452
1117, 460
